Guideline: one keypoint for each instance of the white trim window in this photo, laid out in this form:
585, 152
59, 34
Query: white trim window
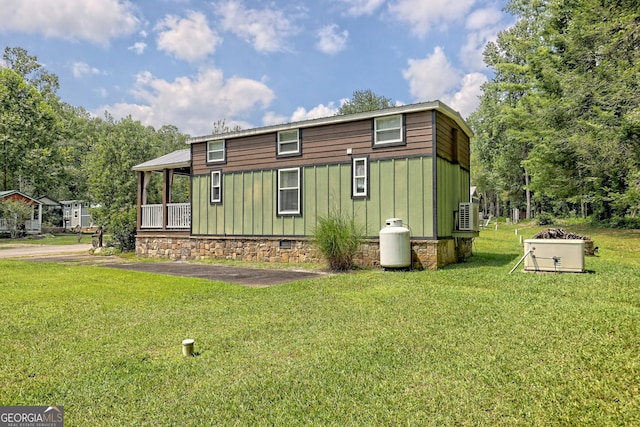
216, 186
288, 142
216, 151
360, 177
388, 130
289, 191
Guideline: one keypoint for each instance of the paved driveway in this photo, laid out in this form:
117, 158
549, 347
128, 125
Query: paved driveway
22, 250
79, 255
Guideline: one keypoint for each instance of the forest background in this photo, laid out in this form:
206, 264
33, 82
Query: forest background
557, 132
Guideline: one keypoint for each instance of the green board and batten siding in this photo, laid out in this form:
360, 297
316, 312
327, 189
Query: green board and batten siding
401, 179
398, 188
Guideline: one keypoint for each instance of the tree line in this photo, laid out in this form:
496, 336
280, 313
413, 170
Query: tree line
49, 147
558, 127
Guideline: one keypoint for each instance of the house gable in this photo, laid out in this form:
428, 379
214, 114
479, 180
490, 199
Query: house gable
18, 196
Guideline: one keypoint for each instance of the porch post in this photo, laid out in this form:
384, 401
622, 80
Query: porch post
166, 188
40, 218
139, 201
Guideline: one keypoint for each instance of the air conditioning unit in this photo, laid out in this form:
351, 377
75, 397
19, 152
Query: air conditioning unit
558, 255
468, 217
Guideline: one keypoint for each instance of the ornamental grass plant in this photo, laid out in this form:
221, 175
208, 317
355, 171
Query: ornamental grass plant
338, 237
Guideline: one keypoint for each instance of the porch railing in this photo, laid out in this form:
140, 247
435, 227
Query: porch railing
178, 216
30, 226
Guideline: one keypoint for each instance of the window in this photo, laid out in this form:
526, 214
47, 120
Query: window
216, 187
289, 191
388, 130
289, 142
360, 177
216, 151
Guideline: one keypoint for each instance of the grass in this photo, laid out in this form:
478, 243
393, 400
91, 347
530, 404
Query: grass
465, 345
49, 239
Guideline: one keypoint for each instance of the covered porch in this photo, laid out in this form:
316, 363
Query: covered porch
168, 215
31, 225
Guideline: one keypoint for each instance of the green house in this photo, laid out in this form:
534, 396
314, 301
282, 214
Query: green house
257, 194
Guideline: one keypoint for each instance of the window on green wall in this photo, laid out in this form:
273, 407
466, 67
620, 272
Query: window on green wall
289, 191
216, 187
360, 177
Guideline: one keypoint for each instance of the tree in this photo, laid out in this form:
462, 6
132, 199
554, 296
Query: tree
28, 132
364, 100
562, 106
220, 126
15, 213
119, 146
27, 66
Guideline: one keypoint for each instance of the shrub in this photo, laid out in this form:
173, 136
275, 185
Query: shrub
544, 219
338, 237
120, 224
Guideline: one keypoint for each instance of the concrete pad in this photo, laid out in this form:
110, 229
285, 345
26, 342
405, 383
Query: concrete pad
238, 275
79, 255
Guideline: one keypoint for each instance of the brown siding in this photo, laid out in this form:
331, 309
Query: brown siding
447, 148
320, 145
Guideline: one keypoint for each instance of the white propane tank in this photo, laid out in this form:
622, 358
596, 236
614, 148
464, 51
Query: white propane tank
395, 245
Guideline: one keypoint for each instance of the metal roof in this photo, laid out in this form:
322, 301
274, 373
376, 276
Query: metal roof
424, 106
174, 160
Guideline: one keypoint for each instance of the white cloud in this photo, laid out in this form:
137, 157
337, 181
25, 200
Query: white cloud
483, 18
432, 77
423, 15
467, 99
138, 47
300, 114
97, 21
271, 118
435, 78
267, 29
331, 40
316, 112
82, 69
361, 7
484, 26
189, 38
193, 104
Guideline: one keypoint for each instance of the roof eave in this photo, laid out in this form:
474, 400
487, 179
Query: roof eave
151, 168
424, 106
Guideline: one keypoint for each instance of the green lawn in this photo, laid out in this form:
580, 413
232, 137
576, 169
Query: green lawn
466, 345
49, 239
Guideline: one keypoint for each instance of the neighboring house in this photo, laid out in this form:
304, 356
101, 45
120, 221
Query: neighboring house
52, 211
34, 224
76, 212
257, 194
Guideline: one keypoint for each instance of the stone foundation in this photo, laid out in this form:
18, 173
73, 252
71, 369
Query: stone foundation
426, 254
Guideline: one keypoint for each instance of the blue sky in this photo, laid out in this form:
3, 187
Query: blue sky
252, 63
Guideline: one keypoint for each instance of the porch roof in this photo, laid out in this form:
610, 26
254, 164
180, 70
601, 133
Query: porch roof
174, 160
